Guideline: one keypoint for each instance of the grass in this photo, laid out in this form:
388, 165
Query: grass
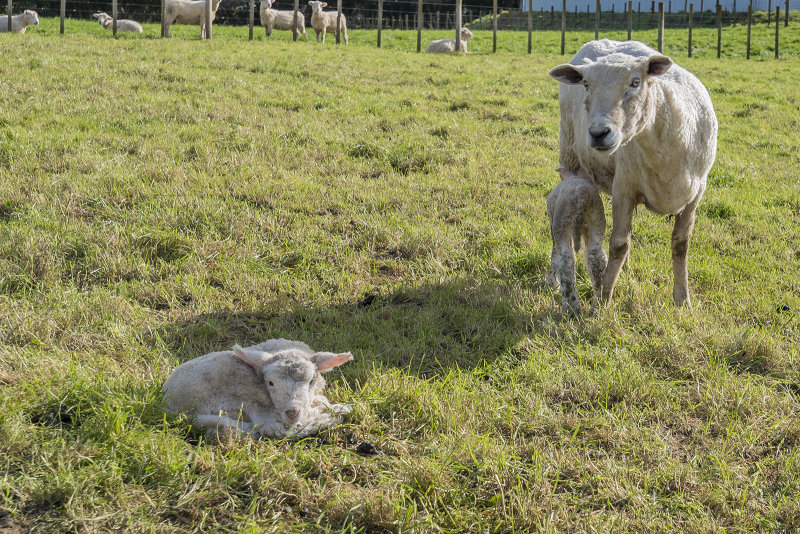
163, 199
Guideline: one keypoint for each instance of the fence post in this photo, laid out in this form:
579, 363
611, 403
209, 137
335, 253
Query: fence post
163, 16
114, 17
630, 18
660, 26
749, 22
62, 14
458, 25
251, 17
420, 19
777, 28
494, 25
785, 24
597, 21
719, 30
380, 20
294, 20
530, 25
691, 25
338, 21
769, 12
10, 11
208, 21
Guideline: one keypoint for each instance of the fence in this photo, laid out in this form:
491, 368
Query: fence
416, 15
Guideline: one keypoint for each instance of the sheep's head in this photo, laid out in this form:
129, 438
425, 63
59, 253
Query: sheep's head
291, 378
466, 34
317, 6
616, 87
31, 17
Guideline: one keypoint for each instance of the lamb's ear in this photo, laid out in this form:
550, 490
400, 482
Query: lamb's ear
658, 65
256, 359
325, 361
568, 74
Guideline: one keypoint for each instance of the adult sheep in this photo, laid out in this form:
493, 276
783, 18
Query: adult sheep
272, 19
644, 130
188, 12
19, 23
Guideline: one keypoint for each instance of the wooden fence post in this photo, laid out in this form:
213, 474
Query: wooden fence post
494, 25
719, 31
785, 24
563, 25
338, 21
660, 26
11, 11
62, 14
163, 16
420, 19
749, 22
691, 25
630, 18
208, 21
380, 21
458, 26
777, 28
597, 21
530, 26
114, 14
294, 20
252, 17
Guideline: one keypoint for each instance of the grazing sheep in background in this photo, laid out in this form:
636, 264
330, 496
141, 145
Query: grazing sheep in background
272, 19
644, 130
575, 212
124, 25
449, 45
189, 12
19, 23
272, 389
325, 21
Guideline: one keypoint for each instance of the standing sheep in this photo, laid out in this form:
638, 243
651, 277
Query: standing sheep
576, 212
272, 19
449, 45
273, 389
19, 23
644, 130
325, 21
125, 25
188, 12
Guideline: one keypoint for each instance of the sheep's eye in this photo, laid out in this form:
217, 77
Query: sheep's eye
270, 383
586, 85
635, 82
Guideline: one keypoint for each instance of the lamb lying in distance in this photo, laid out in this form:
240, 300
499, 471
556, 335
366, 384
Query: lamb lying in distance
325, 21
449, 45
272, 389
124, 25
272, 19
19, 23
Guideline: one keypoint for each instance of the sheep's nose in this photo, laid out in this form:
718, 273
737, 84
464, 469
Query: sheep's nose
292, 414
599, 132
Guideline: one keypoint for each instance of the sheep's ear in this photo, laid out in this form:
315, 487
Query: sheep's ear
325, 361
254, 358
324, 4
658, 65
568, 74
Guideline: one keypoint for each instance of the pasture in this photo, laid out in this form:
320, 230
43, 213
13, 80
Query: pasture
163, 199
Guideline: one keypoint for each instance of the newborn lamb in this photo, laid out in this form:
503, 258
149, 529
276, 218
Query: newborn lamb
273, 389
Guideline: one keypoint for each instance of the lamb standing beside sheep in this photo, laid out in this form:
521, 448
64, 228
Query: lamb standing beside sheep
19, 23
576, 212
188, 12
124, 25
325, 21
272, 389
272, 19
644, 130
449, 45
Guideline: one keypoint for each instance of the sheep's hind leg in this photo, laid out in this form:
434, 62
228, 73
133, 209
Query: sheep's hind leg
219, 425
681, 235
566, 275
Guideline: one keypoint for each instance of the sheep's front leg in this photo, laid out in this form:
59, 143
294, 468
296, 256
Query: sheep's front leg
681, 235
622, 205
220, 425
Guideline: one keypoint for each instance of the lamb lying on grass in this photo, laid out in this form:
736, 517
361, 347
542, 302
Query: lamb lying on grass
123, 25
576, 212
20, 23
449, 45
273, 389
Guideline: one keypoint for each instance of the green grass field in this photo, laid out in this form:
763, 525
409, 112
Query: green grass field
164, 199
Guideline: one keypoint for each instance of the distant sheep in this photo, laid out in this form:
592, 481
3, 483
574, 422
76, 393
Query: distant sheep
576, 212
124, 25
188, 12
19, 23
449, 45
325, 21
644, 130
272, 19
273, 389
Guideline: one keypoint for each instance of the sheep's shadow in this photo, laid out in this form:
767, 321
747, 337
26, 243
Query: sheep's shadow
427, 330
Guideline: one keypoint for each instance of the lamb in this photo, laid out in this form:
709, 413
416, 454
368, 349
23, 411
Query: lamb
449, 45
325, 21
644, 130
19, 23
188, 12
272, 19
124, 25
576, 212
272, 389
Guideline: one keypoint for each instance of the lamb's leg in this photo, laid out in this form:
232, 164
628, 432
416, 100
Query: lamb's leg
217, 425
681, 235
595, 259
622, 206
324, 29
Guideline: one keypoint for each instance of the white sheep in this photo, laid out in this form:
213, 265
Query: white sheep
272, 19
272, 389
325, 21
188, 12
19, 23
124, 25
449, 45
644, 130
576, 212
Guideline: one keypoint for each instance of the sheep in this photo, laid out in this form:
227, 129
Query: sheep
272, 389
125, 25
644, 130
272, 19
449, 45
575, 212
325, 21
19, 23
188, 12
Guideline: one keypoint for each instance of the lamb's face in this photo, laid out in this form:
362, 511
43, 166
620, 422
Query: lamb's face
466, 34
317, 6
31, 17
290, 378
615, 91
